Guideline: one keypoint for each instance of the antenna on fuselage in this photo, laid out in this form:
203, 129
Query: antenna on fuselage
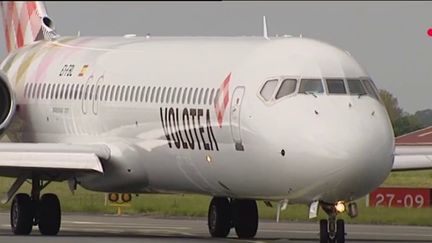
265, 28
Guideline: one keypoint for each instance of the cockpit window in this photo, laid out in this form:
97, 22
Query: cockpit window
355, 87
311, 85
370, 89
287, 87
268, 89
336, 86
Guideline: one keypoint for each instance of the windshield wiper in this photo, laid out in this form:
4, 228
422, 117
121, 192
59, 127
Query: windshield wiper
312, 93
361, 94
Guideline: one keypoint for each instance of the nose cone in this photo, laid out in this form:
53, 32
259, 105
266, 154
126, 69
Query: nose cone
344, 146
357, 152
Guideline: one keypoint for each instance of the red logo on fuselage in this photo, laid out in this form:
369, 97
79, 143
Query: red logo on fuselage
222, 100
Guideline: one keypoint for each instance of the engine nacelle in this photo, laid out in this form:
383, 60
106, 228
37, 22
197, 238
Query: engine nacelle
7, 102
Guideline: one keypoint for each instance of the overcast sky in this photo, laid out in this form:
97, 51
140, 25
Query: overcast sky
389, 39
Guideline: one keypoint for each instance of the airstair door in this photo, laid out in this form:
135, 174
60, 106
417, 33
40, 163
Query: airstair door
235, 117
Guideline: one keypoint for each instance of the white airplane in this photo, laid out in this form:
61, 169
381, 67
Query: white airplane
284, 120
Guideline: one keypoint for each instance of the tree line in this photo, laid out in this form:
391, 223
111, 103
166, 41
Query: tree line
402, 121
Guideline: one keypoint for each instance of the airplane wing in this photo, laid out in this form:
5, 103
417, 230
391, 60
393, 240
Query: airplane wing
55, 161
412, 158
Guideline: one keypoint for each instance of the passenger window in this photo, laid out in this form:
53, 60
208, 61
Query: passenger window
216, 98
43, 91
48, 91
179, 93
102, 93
205, 96
34, 91
200, 96
71, 91
163, 95
66, 92
57, 91
62, 91
157, 94
195, 96
152, 94
168, 95
355, 87
184, 95
91, 92
132, 94
189, 98
142, 94
370, 89
81, 92
53, 91
39, 86
211, 97
111, 96
138, 89
117, 93
25, 90
311, 85
336, 86
127, 93
268, 89
287, 87
122, 92
147, 94
96, 96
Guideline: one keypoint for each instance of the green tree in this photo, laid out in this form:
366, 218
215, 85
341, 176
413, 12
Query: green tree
392, 106
402, 122
424, 117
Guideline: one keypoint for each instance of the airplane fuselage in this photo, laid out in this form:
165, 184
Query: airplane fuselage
186, 115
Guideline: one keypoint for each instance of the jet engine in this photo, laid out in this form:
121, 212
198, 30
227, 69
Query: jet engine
7, 102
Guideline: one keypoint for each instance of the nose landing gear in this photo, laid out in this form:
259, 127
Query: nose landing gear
332, 230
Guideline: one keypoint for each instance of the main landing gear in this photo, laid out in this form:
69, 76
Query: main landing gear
332, 230
225, 214
28, 210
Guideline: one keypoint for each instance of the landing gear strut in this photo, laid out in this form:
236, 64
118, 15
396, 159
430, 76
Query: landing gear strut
331, 230
225, 214
27, 211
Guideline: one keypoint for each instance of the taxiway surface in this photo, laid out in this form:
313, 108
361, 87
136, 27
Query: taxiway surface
109, 229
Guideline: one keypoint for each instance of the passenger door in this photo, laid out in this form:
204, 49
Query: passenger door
235, 121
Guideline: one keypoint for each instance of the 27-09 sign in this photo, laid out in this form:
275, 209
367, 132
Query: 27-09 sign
400, 197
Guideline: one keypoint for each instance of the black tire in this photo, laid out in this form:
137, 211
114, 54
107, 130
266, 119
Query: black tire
340, 231
245, 218
21, 214
324, 235
219, 217
49, 214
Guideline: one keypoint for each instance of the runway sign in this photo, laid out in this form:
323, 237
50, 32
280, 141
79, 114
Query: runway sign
399, 197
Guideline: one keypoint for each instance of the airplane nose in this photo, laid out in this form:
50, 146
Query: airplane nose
346, 148
358, 150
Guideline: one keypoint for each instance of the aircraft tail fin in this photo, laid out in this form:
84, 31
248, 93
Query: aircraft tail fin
25, 23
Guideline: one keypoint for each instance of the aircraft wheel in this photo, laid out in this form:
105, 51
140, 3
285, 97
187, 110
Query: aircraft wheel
245, 218
324, 234
49, 214
21, 214
219, 217
340, 231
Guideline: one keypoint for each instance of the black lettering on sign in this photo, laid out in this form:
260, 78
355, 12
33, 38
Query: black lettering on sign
67, 70
189, 136
164, 126
201, 129
193, 114
210, 133
185, 146
172, 124
178, 128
